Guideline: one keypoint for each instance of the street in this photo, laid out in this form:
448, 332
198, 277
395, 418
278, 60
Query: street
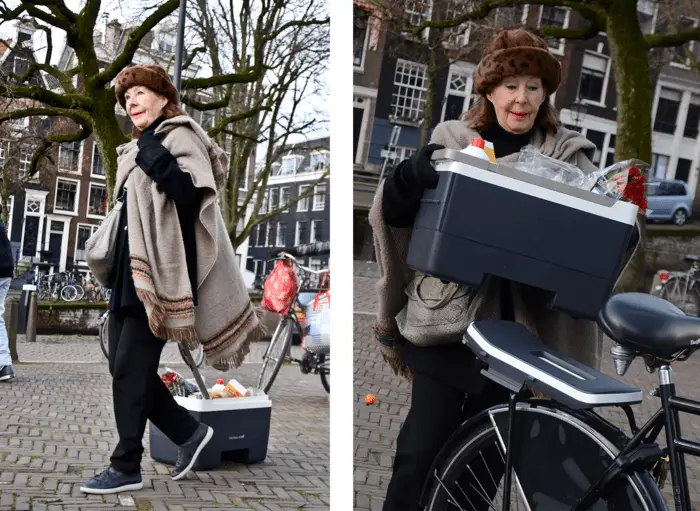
376, 427
57, 430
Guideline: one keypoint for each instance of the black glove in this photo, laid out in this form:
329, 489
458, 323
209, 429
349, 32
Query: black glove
151, 151
418, 172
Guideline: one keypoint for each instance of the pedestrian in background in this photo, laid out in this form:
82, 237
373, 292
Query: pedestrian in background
7, 270
174, 277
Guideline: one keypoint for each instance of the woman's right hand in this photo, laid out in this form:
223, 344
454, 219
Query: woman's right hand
418, 173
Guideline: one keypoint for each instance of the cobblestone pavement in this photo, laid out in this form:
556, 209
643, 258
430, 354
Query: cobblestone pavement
376, 427
57, 430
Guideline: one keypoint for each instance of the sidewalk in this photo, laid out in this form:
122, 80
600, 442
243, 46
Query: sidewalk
57, 430
376, 427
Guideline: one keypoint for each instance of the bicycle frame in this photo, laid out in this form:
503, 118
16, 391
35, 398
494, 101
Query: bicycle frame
666, 417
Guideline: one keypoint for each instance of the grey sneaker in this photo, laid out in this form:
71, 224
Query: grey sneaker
188, 452
112, 481
6, 373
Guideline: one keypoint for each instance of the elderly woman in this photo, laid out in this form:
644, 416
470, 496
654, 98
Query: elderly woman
175, 275
514, 80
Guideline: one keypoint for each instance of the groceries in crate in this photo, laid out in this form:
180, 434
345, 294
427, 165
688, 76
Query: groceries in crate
176, 384
477, 149
280, 288
621, 181
232, 389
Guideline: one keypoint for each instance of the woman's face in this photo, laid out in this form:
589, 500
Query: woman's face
517, 100
143, 106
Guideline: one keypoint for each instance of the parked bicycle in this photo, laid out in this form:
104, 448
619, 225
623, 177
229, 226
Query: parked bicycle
557, 453
681, 288
197, 354
315, 360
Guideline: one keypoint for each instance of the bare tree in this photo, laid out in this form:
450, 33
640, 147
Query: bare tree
92, 106
292, 38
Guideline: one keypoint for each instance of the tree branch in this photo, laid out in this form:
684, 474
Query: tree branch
238, 117
671, 40
246, 76
134, 41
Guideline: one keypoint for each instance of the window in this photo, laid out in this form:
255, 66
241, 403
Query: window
680, 53
417, 11
319, 161
25, 160
320, 197
69, 157
207, 120
457, 95
300, 235
290, 164
693, 119
84, 233
554, 17
409, 94
360, 35
281, 240
458, 37
97, 167
399, 154
20, 66
597, 137
645, 19
667, 111
274, 195
66, 195
669, 189
97, 200
303, 204
262, 233
3, 152
316, 231
263, 207
659, 164
683, 169
284, 196
593, 74
510, 17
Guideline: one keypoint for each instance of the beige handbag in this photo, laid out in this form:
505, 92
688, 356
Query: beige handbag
435, 313
100, 247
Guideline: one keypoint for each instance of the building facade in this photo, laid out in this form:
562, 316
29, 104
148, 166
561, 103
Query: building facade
297, 171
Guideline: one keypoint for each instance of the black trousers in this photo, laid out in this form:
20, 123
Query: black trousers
139, 393
437, 410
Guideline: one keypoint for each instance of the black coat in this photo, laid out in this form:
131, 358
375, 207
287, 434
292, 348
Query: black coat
7, 261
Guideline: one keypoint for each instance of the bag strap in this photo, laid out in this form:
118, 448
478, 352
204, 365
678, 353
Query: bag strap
451, 288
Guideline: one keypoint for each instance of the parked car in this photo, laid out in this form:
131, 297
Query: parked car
669, 201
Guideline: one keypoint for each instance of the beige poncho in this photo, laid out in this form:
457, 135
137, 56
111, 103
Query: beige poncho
224, 321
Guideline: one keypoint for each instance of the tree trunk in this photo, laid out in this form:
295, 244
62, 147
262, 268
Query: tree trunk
630, 56
431, 73
108, 135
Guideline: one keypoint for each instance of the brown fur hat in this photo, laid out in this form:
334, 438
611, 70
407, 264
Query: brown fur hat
149, 75
516, 52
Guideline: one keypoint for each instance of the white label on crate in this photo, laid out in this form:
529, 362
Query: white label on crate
239, 437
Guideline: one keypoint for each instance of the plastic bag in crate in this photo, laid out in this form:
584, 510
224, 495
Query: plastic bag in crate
317, 338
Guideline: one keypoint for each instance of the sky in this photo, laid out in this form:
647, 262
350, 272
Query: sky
122, 11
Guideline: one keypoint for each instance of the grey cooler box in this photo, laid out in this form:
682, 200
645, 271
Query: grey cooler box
241, 431
487, 219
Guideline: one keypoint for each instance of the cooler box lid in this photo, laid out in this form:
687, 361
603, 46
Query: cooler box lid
224, 404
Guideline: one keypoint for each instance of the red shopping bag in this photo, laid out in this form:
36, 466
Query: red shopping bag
280, 288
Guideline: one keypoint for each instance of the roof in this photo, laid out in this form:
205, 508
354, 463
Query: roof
303, 151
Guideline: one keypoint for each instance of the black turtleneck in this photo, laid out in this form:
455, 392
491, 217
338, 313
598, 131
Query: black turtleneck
505, 142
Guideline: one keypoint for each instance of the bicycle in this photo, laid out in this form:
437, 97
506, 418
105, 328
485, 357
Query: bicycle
590, 463
196, 354
315, 360
681, 287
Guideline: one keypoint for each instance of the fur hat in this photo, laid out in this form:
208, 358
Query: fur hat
516, 52
149, 75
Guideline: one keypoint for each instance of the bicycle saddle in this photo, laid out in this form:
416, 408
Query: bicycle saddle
648, 324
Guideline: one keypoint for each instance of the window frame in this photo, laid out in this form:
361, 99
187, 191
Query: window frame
404, 68
297, 240
96, 151
78, 225
606, 80
360, 68
87, 210
80, 158
562, 42
316, 196
305, 201
77, 197
313, 230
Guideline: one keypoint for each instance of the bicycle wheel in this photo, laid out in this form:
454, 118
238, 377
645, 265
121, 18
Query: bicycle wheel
104, 337
276, 351
69, 293
324, 364
80, 292
558, 455
688, 302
